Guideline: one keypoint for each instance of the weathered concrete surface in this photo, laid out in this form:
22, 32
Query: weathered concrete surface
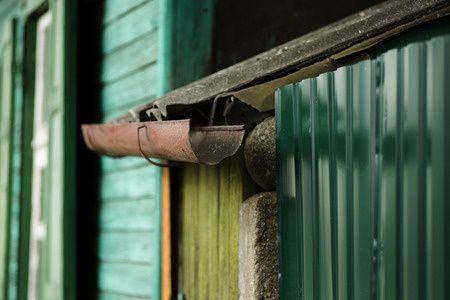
258, 248
259, 153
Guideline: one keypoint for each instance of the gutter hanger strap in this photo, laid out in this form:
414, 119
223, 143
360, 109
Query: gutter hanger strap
152, 162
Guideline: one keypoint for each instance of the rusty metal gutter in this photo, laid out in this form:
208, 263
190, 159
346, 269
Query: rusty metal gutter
169, 140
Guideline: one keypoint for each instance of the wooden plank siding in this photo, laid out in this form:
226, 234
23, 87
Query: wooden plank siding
139, 22
130, 189
10, 187
209, 219
6, 119
16, 175
115, 9
56, 256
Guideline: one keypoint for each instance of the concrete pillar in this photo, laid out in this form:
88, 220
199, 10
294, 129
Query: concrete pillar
258, 248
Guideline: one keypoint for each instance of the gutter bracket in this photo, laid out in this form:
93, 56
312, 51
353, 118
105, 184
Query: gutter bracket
152, 162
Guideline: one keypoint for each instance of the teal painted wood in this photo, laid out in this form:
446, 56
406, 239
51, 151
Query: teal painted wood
110, 164
127, 184
131, 247
6, 147
128, 279
116, 296
127, 215
16, 165
131, 58
124, 94
363, 178
14, 30
130, 189
134, 25
18, 225
191, 37
115, 9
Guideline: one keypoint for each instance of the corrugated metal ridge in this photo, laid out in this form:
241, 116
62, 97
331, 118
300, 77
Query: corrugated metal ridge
303, 51
363, 168
170, 140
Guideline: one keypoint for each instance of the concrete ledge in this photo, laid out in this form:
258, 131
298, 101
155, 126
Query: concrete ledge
258, 248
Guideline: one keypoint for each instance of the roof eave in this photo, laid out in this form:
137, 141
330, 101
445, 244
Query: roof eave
391, 16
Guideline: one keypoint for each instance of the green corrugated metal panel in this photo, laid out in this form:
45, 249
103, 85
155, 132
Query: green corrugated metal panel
130, 191
364, 178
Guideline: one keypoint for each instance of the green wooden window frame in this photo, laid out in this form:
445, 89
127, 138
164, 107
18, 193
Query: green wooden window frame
61, 103
6, 153
17, 94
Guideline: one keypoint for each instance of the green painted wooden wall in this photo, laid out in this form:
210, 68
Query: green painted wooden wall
6, 122
210, 199
16, 177
133, 66
191, 46
10, 163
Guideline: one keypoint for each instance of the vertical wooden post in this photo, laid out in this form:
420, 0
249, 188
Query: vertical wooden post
6, 109
166, 237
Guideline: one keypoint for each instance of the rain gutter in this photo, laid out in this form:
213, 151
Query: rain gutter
169, 140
